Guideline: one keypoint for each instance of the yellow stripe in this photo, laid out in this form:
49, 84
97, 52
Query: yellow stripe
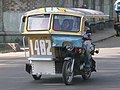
42, 9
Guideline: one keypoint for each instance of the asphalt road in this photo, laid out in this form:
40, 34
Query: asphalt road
107, 77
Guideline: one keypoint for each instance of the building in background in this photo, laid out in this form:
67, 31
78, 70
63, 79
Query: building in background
12, 10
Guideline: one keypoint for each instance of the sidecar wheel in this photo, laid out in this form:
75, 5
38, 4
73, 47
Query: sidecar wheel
66, 73
86, 75
36, 77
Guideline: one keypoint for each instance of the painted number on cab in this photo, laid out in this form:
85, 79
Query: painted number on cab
41, 47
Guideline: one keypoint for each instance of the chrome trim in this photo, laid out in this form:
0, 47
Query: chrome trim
45, 59
24, 46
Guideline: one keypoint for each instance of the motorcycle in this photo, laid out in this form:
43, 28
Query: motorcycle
74, 63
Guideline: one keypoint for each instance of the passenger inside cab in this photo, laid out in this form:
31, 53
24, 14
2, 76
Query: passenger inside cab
67, 24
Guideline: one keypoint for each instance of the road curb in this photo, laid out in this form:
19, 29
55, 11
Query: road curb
104, 39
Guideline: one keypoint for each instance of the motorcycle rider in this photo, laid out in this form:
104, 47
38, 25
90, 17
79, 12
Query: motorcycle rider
87, 46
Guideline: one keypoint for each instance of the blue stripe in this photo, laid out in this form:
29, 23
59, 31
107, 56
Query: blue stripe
57, 40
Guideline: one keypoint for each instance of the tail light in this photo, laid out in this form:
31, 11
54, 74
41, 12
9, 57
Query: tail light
78, 50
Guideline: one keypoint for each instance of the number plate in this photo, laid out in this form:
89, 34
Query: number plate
40, 46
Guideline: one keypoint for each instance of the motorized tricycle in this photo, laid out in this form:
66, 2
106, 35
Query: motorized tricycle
55, 41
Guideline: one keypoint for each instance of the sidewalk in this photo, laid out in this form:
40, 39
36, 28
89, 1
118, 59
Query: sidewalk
97, 36
103, 34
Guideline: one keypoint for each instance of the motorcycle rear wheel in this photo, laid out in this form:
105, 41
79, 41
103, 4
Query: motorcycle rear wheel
66, 72
86, 75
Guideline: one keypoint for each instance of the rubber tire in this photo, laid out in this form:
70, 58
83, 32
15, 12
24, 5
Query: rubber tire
35, 77
117, 33
66, 79
87, 75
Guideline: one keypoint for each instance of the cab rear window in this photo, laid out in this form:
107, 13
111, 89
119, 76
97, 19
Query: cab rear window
66, 23
39, 22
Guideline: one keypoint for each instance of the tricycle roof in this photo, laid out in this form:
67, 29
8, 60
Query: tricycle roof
75, 11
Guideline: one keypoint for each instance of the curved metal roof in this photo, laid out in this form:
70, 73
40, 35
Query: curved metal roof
89, 12
81, 11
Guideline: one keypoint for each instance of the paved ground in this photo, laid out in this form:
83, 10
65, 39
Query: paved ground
103, 34
107, 77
